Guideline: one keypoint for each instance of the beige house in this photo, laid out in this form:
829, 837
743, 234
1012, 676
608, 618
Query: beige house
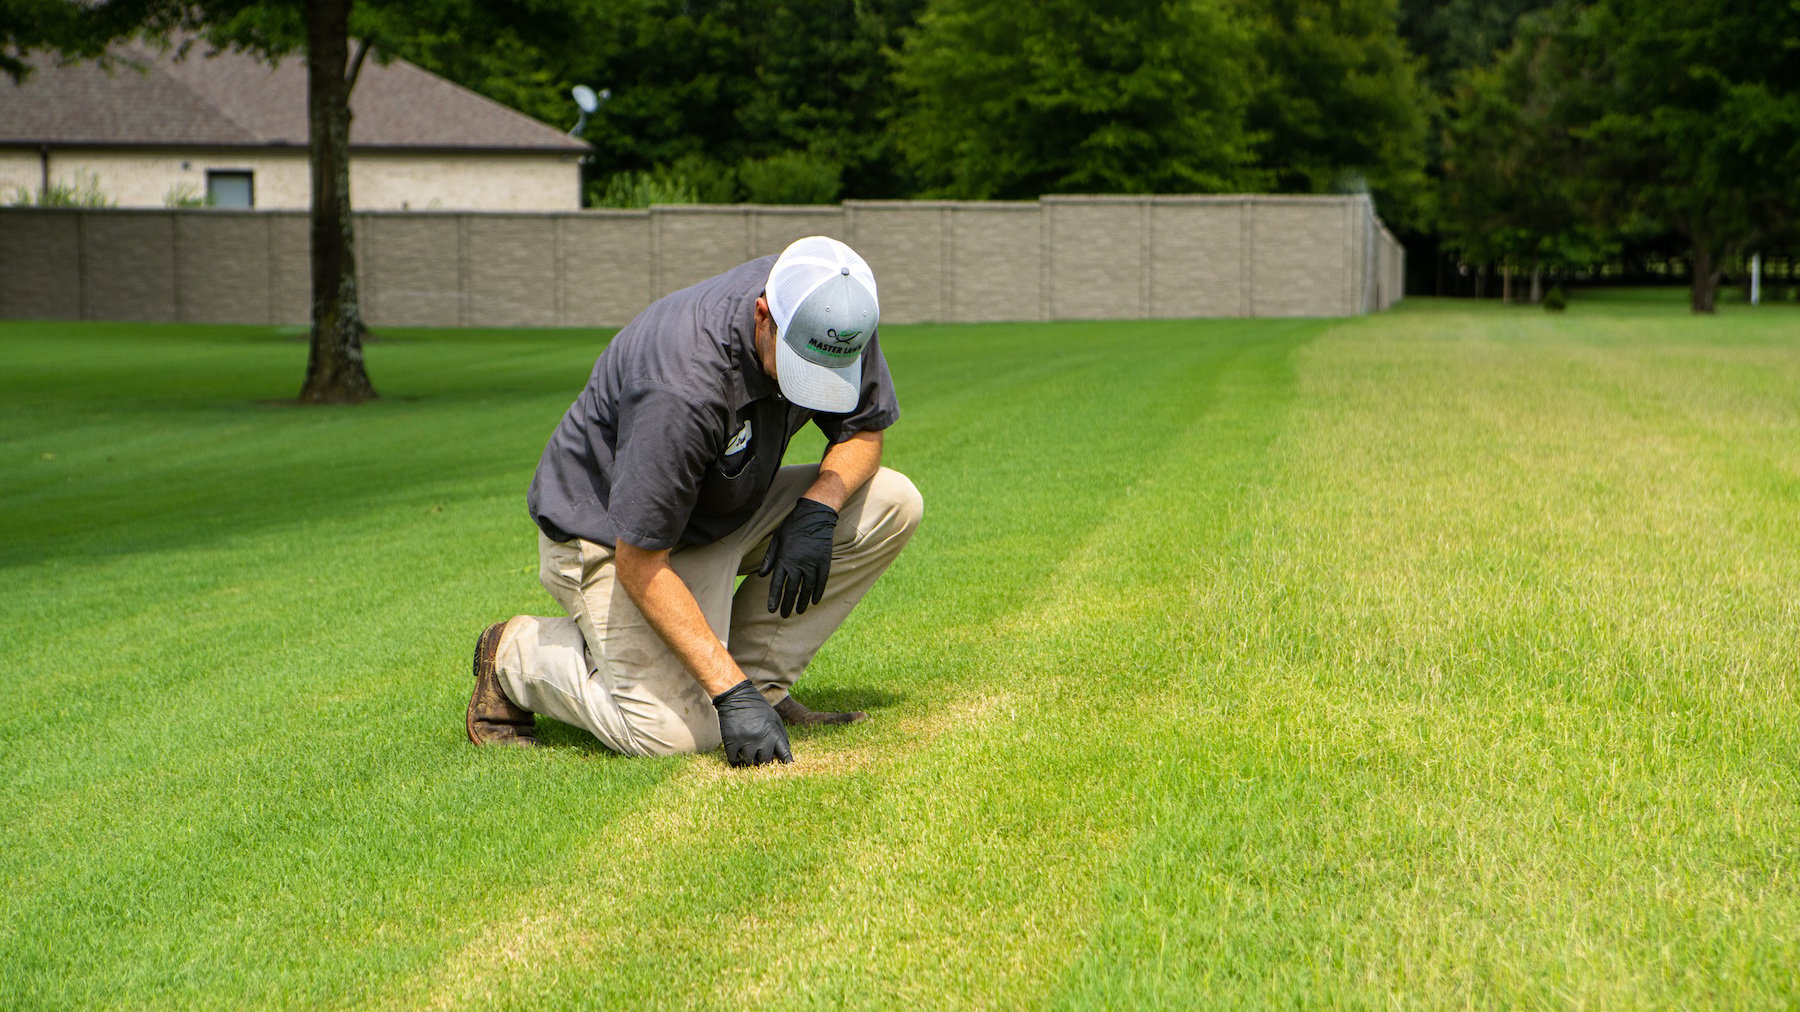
232, 131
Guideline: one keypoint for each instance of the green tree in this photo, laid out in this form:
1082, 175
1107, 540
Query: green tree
73, 31
1014, 100
1513, 189
1455, 36
825, 95
1450, 38
1698, 120
1338, 105
701, 88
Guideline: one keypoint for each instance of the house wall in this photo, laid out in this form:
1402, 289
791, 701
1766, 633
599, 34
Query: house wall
17, 169
418, 182
379, 181
1056, 258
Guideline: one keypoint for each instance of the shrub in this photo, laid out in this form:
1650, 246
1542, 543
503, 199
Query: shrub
186, 195
714, 181
641, 189
1554, 300
792, 178
84, 192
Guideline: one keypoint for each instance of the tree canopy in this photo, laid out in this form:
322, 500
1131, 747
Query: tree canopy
1338, 105
1013, 100
1613, 118
1511, 191
1696, 121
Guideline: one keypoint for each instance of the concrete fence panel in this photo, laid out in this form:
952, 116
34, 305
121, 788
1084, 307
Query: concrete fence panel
994, 270
226, 256
773, 229
290, 269
1392, 271
1098, 260
608, 274
907, 245
411, 270
1053, 258
129, 267
510, 272
1299, 259
691, 244
40, 265
1198, 265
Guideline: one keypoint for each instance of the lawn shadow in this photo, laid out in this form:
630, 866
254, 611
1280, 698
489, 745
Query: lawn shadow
868, 700
556, 734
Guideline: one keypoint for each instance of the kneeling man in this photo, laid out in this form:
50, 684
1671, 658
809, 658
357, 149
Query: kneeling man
664, 483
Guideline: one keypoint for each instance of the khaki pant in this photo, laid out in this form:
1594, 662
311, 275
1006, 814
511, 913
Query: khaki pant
606, 670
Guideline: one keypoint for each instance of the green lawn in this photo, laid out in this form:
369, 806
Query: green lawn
1441, 657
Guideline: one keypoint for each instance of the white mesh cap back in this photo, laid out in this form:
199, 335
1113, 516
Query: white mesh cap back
823, 298
807, 264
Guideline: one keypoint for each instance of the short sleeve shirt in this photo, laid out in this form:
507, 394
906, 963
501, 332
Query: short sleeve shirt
679, 431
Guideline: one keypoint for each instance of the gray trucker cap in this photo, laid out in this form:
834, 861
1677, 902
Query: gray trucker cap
822, 296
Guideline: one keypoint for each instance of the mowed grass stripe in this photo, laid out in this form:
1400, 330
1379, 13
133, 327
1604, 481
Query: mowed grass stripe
457, 414
204, 742
1437, 766
946, 873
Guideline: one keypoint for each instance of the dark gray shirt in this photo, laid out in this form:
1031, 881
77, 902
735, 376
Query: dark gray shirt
678, 433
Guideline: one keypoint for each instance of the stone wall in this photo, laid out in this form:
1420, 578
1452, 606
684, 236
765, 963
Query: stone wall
1057, 258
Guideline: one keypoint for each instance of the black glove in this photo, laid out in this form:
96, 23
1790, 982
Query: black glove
800, 557
752, 731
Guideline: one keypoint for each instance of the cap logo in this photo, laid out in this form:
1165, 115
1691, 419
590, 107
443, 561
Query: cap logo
834, 335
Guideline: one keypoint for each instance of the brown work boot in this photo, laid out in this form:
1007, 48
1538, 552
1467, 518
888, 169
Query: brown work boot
795, 712
494, 719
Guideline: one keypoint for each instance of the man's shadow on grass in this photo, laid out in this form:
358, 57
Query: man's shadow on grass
556, 734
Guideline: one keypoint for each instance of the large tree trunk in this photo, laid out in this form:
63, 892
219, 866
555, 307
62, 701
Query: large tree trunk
1707, 267
334, 369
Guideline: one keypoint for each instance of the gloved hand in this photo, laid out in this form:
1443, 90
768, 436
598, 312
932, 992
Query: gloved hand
800, 557
750, 727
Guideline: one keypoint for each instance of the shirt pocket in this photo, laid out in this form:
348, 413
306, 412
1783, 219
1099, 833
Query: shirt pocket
730, 485
733, 465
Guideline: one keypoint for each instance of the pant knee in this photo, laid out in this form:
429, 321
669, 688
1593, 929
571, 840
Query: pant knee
899, 497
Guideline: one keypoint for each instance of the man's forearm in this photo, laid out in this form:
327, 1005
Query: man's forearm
658, 591
847, 466
668, 604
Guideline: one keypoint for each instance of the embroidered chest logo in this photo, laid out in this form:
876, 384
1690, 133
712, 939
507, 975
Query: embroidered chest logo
739, 441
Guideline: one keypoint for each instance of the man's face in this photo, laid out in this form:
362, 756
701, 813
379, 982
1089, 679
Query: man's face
765, 337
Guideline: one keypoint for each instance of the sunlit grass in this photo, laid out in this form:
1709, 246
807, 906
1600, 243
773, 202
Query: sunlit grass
1444, 656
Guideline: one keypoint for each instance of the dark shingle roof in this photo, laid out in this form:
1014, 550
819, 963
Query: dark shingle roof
232, 99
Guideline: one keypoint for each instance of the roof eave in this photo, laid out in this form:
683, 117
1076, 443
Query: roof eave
34, 145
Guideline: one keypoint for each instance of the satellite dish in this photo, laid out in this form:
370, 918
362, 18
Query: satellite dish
589, 103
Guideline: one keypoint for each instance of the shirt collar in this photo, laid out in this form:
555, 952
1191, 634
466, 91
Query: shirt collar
753, 383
